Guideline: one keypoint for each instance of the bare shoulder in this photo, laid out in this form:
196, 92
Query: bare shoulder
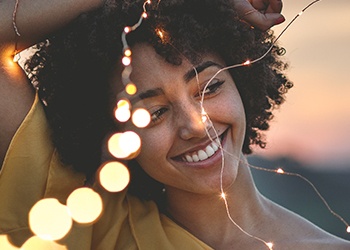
16, 98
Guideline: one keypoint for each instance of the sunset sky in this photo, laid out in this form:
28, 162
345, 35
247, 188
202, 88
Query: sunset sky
314, 124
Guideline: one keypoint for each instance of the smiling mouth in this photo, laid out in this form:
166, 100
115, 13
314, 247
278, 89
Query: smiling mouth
203, 154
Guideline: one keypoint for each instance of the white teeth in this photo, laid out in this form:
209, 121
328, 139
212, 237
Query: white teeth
188, 158
209, 150
202, 155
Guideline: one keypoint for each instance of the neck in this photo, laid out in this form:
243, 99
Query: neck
197, 212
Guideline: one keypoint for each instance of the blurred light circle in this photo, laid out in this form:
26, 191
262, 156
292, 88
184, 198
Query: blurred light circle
36, 243
115, 146
126, 60
114, 176
131, 89
5, 244
85, 205
122, 114
130, 142
49, 219
141, 118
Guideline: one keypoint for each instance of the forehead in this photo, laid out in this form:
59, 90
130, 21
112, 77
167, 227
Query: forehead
151, 70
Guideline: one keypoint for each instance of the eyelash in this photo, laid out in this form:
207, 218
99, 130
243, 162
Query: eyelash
157, 115
210, 90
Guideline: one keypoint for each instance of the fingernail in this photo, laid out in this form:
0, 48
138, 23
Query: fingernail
280, 20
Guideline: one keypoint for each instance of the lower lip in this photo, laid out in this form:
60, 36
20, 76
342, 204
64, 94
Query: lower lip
211, 161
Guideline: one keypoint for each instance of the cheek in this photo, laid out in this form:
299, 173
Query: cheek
154, 149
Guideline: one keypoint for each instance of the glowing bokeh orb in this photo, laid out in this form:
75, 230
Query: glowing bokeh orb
348, 229
49, 219
126, 60
141, 118
114, 176
115, 147
131, 89
36, 243
5, 244
122, 145
122, 114
130, 141
127, 52
85, 205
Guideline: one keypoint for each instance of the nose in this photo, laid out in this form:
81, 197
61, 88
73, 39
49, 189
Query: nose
190, 122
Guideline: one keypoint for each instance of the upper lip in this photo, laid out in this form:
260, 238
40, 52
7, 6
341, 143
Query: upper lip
198, 147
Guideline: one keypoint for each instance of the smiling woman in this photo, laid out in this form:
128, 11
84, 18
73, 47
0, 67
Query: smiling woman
203, 121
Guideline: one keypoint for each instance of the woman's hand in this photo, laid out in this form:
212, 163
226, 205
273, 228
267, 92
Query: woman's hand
262, 14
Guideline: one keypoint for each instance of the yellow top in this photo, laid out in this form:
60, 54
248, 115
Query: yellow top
31, 171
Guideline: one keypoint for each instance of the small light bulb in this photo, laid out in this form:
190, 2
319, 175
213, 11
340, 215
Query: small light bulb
246, 63
126, 61
223, 195
348, 229
127, 52
269, 245
144, 15
131, 89
280, 171
127, 29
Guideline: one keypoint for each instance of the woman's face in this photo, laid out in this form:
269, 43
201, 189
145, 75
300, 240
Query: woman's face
175, 147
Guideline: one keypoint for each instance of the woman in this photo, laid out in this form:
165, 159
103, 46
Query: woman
78, 76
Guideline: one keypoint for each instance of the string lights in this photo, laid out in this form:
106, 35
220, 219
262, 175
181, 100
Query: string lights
114, 176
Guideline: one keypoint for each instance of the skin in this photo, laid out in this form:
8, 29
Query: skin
193, 189
36, 19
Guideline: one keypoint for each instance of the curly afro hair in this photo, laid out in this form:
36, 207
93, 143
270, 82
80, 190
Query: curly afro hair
72, 68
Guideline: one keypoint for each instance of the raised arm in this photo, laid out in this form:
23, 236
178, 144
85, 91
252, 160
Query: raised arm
35, 19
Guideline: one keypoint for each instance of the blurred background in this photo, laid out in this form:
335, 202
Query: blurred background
310, 133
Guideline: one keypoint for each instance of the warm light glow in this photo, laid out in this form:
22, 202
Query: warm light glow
85, 205
131, 89
144, 15
114, 176
246, 63
348, 229
141, 118
5, 243
300, 13
127, 29
127, 52
123, 145
36, 243
49, 219
160, 34
115, 147
280, 171
16, 57
122, 114
269, 245
223, 195
126, 61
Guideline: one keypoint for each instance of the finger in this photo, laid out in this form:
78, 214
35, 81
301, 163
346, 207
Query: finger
275, 6
264, 21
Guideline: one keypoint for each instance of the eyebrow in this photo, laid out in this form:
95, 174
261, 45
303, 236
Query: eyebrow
199, 68
188, 76
147, 94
